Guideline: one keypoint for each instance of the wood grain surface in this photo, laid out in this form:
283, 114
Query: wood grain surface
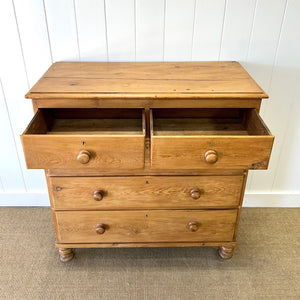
170, 174
118, 144
146, 80
155, 192
145, 226
183, 142
61, 151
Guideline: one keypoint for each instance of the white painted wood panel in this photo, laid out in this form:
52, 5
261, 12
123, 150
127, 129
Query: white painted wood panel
264, 42
120, 22
24, 199
34, 37
283, 94
1, 186
237, 29
10, 170
90, 16
150, 30
62, 29
287, 172
262, 34
261, 54
287, 175
209, 16
15, 85
179, 30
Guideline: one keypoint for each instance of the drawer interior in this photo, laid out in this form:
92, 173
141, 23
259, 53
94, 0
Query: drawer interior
69, 121
207, 121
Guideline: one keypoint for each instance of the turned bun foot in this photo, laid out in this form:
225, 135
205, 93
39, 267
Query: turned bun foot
65, 254
226, 252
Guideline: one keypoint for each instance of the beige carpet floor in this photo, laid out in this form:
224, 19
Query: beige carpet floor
265, 265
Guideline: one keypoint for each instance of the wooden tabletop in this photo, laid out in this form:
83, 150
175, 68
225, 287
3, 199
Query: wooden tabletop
149, 80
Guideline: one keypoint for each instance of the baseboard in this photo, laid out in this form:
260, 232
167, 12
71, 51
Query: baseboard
250, 200
271, 200
24, 199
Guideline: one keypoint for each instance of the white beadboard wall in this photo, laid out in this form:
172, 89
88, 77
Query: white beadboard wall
264, 35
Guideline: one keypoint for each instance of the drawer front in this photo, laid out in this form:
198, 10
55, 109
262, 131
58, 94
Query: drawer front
145, 226
211, 142
157, 192
64, 152
73, 144
195, 152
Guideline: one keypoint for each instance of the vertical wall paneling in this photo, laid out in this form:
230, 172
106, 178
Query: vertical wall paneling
179, 29
120, 18
287, 176
237, 29
62, 30
1, 185
286, 104
283, 92
208, 29
264, 35
261, 54
15, 85
34, 37
90, 16
149, 30
10, 170
264, 42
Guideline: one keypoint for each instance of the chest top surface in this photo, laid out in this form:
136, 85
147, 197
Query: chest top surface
151, 80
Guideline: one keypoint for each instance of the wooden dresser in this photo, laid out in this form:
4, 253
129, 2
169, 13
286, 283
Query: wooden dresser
146, 154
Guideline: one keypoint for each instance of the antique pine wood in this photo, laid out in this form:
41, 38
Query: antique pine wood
119, 193
146, 103
145, 226
141, 245
146, 154
220, 148
108, 150
146, 80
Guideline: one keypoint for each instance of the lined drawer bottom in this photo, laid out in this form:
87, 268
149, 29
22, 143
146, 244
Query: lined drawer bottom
145, 226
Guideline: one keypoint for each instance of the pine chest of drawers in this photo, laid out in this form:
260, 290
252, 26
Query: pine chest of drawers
146, 154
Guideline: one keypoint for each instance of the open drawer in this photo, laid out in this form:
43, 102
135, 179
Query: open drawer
209, 138
85, 138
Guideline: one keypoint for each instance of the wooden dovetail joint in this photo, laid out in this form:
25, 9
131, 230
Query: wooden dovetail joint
65, 254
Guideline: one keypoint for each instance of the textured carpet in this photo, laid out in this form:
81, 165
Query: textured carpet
265, 264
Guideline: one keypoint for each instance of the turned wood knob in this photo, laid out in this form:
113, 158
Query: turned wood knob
98, 195
193, 226
211, 156
195, 193
84, 156
100, 228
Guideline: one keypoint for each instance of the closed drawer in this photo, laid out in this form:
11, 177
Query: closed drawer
145, 226
157, 192
85, 138
209, 139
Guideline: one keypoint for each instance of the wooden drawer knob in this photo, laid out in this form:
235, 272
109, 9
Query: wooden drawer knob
211, 156
195, 193
100, 228
84, 156
98, 195
193, 226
